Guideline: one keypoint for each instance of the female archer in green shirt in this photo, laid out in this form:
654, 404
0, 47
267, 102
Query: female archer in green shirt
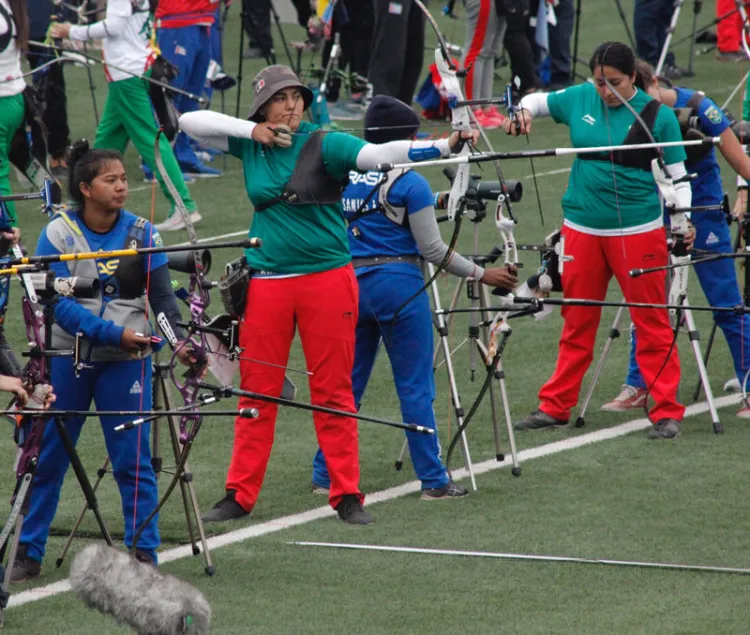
302, 277
613, 222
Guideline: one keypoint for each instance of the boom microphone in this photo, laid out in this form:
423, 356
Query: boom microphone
138, 594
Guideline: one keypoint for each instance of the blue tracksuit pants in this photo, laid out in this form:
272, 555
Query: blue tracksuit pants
409, 344
112, 386
189, 49
718, 280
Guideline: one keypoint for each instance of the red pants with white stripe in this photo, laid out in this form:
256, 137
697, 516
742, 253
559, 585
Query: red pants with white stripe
728, 30
323, 306
595, 259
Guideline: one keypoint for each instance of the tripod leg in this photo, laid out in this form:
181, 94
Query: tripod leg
516, 469
13, 550
458, 409
99, 477
187, 488
576, 39
670, 32
486, 320
691, 56
695, 344
399, 464
83, 480
614, 333
624, 19
709, 346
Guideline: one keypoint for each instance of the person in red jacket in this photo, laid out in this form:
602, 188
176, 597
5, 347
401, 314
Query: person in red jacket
184, 37
729, 33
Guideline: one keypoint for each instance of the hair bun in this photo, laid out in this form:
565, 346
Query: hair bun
76, 151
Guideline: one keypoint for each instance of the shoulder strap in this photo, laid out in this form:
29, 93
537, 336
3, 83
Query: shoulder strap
396, 214
695, 100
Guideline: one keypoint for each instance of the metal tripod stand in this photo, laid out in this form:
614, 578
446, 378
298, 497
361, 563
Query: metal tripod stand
694, 336
163, 400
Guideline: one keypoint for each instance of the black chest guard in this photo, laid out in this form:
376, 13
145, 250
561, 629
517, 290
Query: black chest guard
640, 159
310, 181
129, 275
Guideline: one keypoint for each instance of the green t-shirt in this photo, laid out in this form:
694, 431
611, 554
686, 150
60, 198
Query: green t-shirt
296, 238
600, 194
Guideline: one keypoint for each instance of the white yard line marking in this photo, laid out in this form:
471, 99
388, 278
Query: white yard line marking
287, 522
550, 173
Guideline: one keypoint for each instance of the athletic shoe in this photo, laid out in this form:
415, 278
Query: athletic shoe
731, 56
340, 111
539, 420
24, 568
664, 429
144, 557
744, 411
350, 510
451, 490
494, 113
200, 171
733, 385
226, 509
317, 488
671, 72
488, 123
629, 397
175, 223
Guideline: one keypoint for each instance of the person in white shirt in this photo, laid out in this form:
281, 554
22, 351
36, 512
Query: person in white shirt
128, 115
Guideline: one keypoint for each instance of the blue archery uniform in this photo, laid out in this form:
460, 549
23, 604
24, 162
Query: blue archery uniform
114, 380
382, 290
718, 279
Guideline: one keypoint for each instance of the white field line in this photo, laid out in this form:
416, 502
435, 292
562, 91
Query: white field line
287, 522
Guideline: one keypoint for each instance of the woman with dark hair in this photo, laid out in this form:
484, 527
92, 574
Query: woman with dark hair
613, 223
718, 278
116, 347
128, 115
303, 279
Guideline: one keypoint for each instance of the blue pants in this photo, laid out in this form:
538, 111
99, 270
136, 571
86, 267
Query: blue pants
382, 290
718, 279
189, 49
112, 386
650, 22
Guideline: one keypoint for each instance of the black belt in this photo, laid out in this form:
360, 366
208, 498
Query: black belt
384, 260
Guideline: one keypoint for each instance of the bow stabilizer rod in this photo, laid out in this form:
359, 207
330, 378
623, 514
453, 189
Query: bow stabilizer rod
226, 391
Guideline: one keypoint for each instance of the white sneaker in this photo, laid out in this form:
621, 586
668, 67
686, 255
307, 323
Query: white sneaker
744, 411
175, 222
733, 385
629, 397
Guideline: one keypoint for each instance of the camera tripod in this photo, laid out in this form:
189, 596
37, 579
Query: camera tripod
163, 400
478, 339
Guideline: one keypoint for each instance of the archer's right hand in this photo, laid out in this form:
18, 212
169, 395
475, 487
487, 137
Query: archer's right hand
501, 277
271, 135
740, 205
133, 343
518, 125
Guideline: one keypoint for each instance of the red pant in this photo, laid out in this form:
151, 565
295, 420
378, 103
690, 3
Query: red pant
324, 308
594, 260
729, 30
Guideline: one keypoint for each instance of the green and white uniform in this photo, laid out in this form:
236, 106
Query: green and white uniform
11, 97
604, 198
128, 115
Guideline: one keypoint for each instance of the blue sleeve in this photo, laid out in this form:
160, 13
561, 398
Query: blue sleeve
713, 120
154, 261
412, 191
71, 316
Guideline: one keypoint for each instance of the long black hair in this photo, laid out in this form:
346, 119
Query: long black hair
84, 165
614, 54
21, 20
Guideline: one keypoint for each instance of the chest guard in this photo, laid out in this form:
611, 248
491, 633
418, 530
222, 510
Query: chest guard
639, 159
394, 214
310, 181
690, 128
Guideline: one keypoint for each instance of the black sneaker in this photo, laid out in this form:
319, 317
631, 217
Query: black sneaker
664, 429
350, 510
451, 490
539, 420
226, 509
144, 557
670, 71
24, 568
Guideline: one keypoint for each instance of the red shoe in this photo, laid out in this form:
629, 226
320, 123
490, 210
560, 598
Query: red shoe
629, 397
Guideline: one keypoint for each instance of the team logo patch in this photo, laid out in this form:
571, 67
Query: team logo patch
158, 242
180, 50
70, 241
395, 8
713, 114
136, 389
589, 119
259, 86
712, 239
